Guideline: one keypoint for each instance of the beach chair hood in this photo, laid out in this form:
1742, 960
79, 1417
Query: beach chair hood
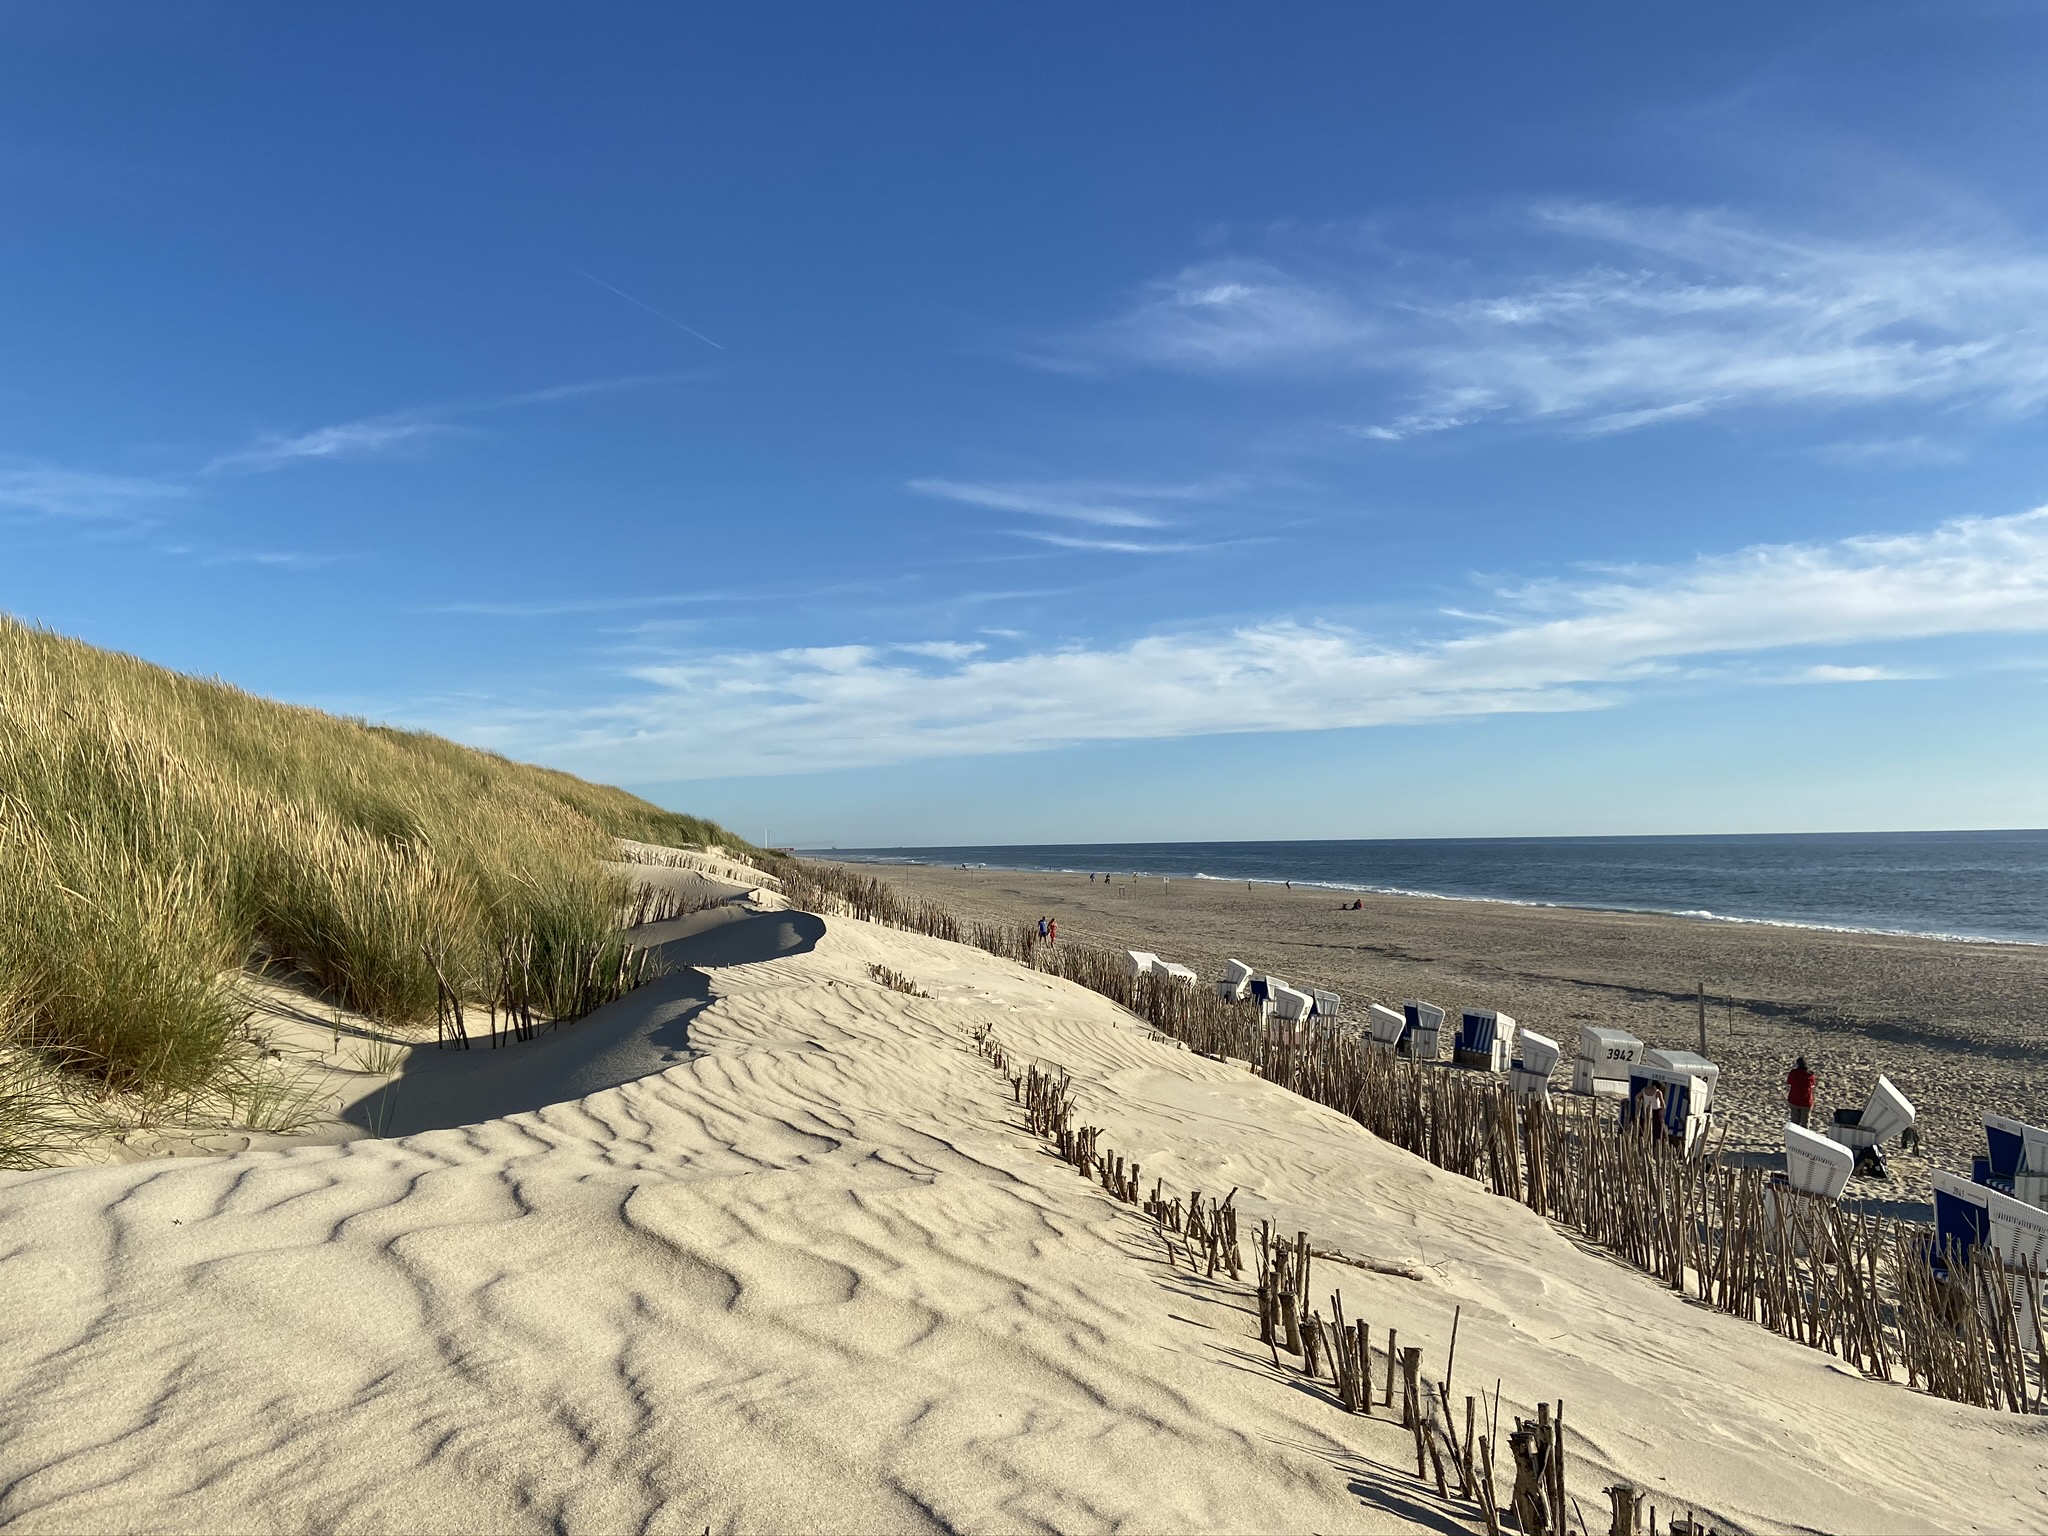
1887, 1112
1814, 1165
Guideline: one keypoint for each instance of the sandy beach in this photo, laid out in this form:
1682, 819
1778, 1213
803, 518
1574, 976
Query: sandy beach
1957, 1026
783, 1256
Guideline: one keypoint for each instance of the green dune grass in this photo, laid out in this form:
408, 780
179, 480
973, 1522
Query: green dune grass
158, 833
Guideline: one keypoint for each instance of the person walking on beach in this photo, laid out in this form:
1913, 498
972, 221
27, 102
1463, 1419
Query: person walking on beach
1052, 931
1041, 927
1799, 1085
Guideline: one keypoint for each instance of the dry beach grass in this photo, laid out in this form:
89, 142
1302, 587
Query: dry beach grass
160, 833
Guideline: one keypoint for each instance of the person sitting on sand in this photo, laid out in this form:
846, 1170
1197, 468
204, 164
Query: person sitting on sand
1799, 1086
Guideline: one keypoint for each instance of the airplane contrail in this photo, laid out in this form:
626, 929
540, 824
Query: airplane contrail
671, 319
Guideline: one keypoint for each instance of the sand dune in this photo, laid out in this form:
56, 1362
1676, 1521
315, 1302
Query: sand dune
811, 1272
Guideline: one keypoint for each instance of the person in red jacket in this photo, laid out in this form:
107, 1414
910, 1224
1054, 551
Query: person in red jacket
1799, 1092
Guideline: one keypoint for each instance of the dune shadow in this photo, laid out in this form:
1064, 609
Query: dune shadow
644, 1032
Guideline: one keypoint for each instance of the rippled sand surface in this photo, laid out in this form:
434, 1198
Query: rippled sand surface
811, 1273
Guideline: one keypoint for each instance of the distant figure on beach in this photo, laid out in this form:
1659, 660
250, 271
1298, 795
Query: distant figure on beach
1650, 1111
1041, 927
1290, 885
1052, 931
1799, 1084
1091, 879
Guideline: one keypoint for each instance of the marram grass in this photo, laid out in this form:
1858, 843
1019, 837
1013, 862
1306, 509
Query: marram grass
159, 832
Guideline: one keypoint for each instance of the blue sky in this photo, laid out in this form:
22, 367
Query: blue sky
920, 423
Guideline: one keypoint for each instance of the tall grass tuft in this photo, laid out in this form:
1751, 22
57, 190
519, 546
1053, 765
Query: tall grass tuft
158, 831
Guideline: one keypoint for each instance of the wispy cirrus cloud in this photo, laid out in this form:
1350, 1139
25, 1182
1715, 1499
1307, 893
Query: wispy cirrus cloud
1618, 319
30, 489
1106, 504
346, 440
1553, 645
1115, 505
396, 431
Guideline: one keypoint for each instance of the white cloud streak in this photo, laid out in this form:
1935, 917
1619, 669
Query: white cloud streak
1098, 504
1106, 505
347, 440
373, 436
1659, 316
48, 491
1553, 646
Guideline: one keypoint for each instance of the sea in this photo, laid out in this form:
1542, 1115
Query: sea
1948, 885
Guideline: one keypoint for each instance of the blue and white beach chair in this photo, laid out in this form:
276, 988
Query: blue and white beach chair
1237, 978
1687, 1098
2018, 1164
1692, 1063
1967, 1213
1423, 1037
1486, 1040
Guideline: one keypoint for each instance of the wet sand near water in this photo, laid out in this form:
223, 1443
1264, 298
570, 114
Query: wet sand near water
1959, 1027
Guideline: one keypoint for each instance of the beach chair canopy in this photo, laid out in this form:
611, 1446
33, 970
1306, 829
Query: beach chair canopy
1423, 1015
2019, 1232
1178, 973
1236, 972
1142, 961
1886, 1113
1481, 1027
1386, 1025
1685, 1061
1612, 1048
1966, 1214
1327, 1004
1539, 1053
2016, 1147
1289, 1003
1815, 1165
